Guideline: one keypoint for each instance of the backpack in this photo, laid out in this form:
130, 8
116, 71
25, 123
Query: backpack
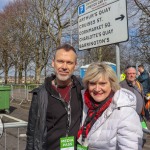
147, 106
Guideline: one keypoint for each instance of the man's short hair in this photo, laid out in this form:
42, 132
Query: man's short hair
130, 66
66, 47
141, 66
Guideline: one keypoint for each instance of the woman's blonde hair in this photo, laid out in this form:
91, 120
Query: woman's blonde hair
97, 70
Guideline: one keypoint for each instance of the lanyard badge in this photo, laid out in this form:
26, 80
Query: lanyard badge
81, 147
67, 143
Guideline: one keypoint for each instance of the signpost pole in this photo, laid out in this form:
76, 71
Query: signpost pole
118, 60
71, 23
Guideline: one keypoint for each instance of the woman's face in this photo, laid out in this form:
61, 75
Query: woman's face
100, 89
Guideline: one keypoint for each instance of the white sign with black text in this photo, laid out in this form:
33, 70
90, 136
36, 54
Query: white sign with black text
102, 22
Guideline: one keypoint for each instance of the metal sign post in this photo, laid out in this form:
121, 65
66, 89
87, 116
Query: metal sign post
118, 60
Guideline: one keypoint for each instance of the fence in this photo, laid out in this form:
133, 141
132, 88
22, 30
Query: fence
8, 140
21, 92
14, 129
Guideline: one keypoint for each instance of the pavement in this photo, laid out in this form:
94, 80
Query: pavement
21, 112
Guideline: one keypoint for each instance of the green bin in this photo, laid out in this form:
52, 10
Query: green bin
5, 98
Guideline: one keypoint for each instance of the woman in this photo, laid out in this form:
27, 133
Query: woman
110, 121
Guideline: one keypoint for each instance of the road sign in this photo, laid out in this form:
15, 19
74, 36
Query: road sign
102, 22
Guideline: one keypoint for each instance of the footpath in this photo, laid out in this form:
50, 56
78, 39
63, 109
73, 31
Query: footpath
21, 112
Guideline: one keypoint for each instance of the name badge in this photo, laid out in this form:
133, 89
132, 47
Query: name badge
81, 147
67, 143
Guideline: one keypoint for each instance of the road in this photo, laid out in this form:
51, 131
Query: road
21, 112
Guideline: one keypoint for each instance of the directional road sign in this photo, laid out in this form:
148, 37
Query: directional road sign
102, 22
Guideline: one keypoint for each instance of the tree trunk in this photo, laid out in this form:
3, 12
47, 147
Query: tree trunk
100, 54
15, 72
38, 74
25, 73
6, 65
6, 74
20, 73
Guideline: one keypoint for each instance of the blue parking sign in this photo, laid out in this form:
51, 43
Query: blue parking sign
81, 9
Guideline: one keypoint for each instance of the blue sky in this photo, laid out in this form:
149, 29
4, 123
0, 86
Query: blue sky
3, 3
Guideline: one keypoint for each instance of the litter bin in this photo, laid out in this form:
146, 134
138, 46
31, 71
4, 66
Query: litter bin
5, 98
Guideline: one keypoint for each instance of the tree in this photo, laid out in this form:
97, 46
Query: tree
48, 20
99, 54
144, 6
5, 46
139, 30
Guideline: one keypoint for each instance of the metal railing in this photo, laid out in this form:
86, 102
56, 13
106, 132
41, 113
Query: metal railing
21, 92
18, 92
11, 124
29, 88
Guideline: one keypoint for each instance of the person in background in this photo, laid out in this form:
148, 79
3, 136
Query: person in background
144, 79
133, 85
56, 107
109, 121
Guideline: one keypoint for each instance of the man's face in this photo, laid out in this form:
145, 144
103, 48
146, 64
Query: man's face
64, 64
140, 69
131, 74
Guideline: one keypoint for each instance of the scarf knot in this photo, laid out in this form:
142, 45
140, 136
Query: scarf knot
95, 110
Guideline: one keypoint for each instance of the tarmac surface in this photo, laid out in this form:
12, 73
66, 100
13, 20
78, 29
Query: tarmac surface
21, 112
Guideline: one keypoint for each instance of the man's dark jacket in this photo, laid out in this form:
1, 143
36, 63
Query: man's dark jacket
144, 79
44, 97
139, 94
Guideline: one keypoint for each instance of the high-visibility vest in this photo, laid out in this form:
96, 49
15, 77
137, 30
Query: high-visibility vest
122, 77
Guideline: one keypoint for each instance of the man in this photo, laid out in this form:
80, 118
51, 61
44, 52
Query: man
133, 85
144, 79
56, 107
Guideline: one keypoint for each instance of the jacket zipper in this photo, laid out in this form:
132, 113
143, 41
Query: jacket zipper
65, 104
